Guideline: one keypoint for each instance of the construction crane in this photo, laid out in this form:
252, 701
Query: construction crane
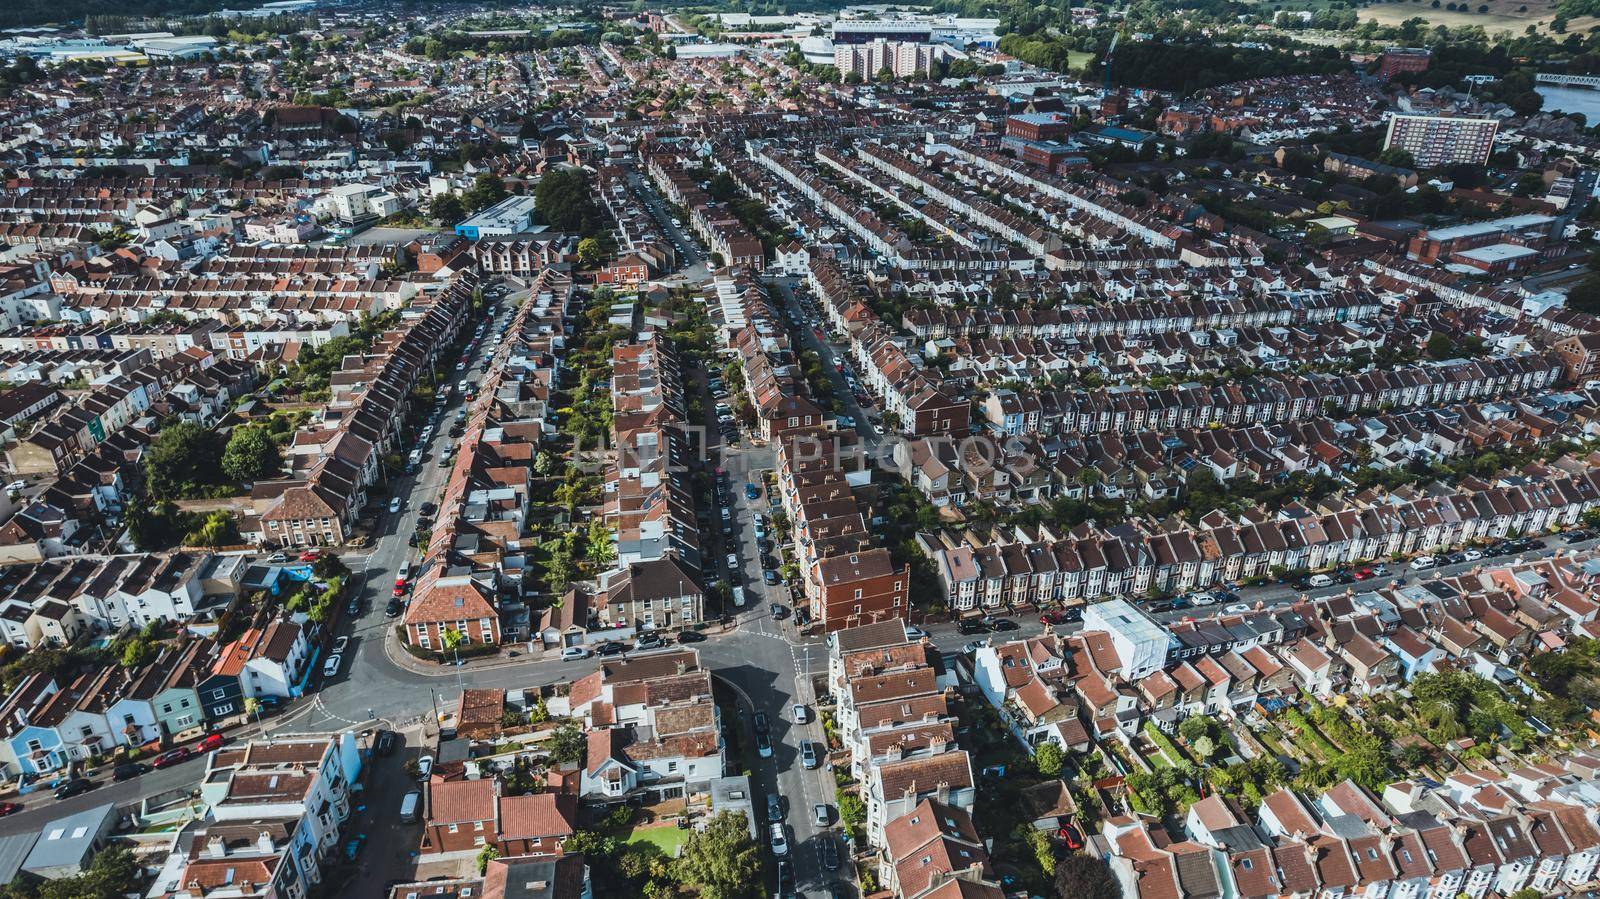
1110, 52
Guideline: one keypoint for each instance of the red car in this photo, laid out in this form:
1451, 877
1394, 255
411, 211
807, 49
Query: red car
311, 555
399, 590
210, 742
1051, 618
171, 757
1363, 574
9, 808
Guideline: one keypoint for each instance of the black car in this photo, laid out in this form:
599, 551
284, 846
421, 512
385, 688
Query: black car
610, 648
353, 610
830, 852
779, 611
1004, 624
73, 787
129, 770
764, 545
385, 744
428, 508
785, 879
759, 722
690, 636
393, 609
972, 627
1576, 536
769, 563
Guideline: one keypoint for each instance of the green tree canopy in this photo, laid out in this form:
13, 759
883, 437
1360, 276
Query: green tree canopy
1081, 876
251, 454
183, 459
722, 861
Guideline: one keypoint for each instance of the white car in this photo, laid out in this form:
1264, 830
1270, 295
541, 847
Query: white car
339, 644
16, 486
800, 713
574, 653
733, 562
424, 767
332, 665
394, 505
1423, 563
1238, 608
915, 633
1472, 555
780, 841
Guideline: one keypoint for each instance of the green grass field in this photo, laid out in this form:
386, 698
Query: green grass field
669, 839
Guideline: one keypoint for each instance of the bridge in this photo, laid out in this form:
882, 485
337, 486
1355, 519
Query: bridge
1589, 81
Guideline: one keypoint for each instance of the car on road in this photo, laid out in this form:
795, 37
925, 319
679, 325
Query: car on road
332, 665
972, 626
774, 808
1051, 617
129, 770
759, 722
424, 767
394, 608
819, 814
779, 611
809, 756
210, 742
751, 491
647, 642
764, 746
1380, 570
610, 648
1003, 624
799, 713
688, 635
574, 653
427, 508
394, 504
974, 645
779, 841
352, 609
770, 578
1320, 580
73, 787
311, 555
829, 852
1571, 537
1238, 608
1471, 555
16, 486
339, 643
171, 757
385, 744
9, 808
1423, 563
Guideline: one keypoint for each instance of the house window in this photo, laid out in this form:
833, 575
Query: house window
454, 828
183, 720
671, 767
166, 708
858, 593
224, 709
35, 746
219, 693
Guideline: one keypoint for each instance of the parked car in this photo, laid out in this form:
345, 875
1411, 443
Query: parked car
1003, 624
574, 653
751, 491
171, 757
210, 742
764, 746
648, 641
278, 558
339, 643
1423, 563
774, 808
1471, 555
819, 814
610, 648
779, 840
829, 852
311, 555
129, 770
972, 626
73, 787
394, 608
9, 808
424, 767
770, 578
331, 667
800, 713
809, 756
689, 635
974, 645
385, 744
394, 504
779, 611
759, 722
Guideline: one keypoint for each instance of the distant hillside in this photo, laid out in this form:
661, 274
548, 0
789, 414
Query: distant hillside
45, 12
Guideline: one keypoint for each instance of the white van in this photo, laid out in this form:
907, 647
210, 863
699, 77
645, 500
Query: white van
1320, 580
738, 597
409, 804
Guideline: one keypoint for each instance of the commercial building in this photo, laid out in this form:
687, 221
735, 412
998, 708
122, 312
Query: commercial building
513, 215
867, 60
865, 32
1441, 140
1403, 59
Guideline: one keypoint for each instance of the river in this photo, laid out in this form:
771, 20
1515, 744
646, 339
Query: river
1571, 99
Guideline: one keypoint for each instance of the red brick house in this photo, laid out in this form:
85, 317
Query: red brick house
461, 815
536, 824
456, 602
860, 588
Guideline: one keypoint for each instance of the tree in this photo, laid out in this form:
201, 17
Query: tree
485, 191
566, 744
563, 202
452, 638
722, 861
486, 855
1440, 346
590, 253
215, 529
182, 458
600, 551
1085, 877
1048, 758
251, 454
447, 208
137, 652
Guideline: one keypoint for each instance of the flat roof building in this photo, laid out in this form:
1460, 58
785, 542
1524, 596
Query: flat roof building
1441, 140
1140, 643
513, 215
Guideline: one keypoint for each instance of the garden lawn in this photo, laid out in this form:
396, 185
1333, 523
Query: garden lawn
668, 838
